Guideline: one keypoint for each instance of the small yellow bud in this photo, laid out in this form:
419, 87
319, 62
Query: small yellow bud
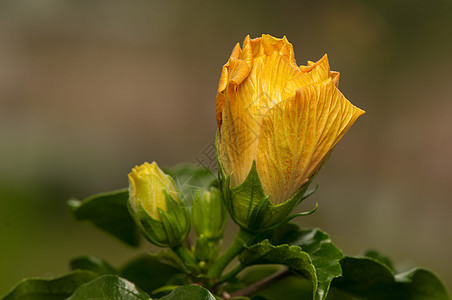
148, 186
157, 207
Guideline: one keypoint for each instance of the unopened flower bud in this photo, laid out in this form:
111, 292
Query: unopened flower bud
209, 214
277, 124
156, 206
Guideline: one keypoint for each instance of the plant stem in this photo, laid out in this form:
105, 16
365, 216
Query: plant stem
231, 274
261, 284
186, 257
242, 239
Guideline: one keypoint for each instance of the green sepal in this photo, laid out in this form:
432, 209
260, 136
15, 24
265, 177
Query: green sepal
58, 288
251, 209
108, 211
109, 287
292, 256
171, 230
206, 249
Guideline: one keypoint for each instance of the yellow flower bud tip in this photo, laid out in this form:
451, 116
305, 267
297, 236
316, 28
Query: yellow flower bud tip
285, 117
148, 186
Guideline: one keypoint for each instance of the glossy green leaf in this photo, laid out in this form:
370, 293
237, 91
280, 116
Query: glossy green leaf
172, 259
189, 292
250, 276
292, 256
190, 178
109, 212
324, 254
423, 284
325, 257
50, 289
109, 287
164, 290
370, 279
285, 234
148, 272
379, 257
92, 263
292, 287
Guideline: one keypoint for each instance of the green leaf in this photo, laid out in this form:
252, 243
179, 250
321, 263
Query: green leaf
164, 290
109, 212
423, 284
190, 178
292, 256
250, 276
292, 287
109, 287
189, 292
370, 279
148, 272
285, 234
92, 263
170, 258
385, 260
49, 289
325, 257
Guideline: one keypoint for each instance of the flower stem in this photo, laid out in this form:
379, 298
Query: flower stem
242, 239
231, 274
186, 257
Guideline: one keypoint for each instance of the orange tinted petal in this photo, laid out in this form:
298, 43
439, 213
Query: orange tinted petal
281, 46
233, 72
335, 77
285, 148
238, 137
245, 106
315, 72
335, 115
297, 134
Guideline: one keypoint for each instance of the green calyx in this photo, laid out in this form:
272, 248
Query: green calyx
251, 209
171, 230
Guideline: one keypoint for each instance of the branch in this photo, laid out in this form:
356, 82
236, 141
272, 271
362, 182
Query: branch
262, 283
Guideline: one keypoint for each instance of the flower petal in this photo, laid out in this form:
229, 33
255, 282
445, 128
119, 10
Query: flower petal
241, 62
314, 72
243, 105
298, 133
266, 45
335, 77
237, 142
233, 73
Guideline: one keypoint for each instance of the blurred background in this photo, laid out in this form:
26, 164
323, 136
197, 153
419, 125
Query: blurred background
89, 89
